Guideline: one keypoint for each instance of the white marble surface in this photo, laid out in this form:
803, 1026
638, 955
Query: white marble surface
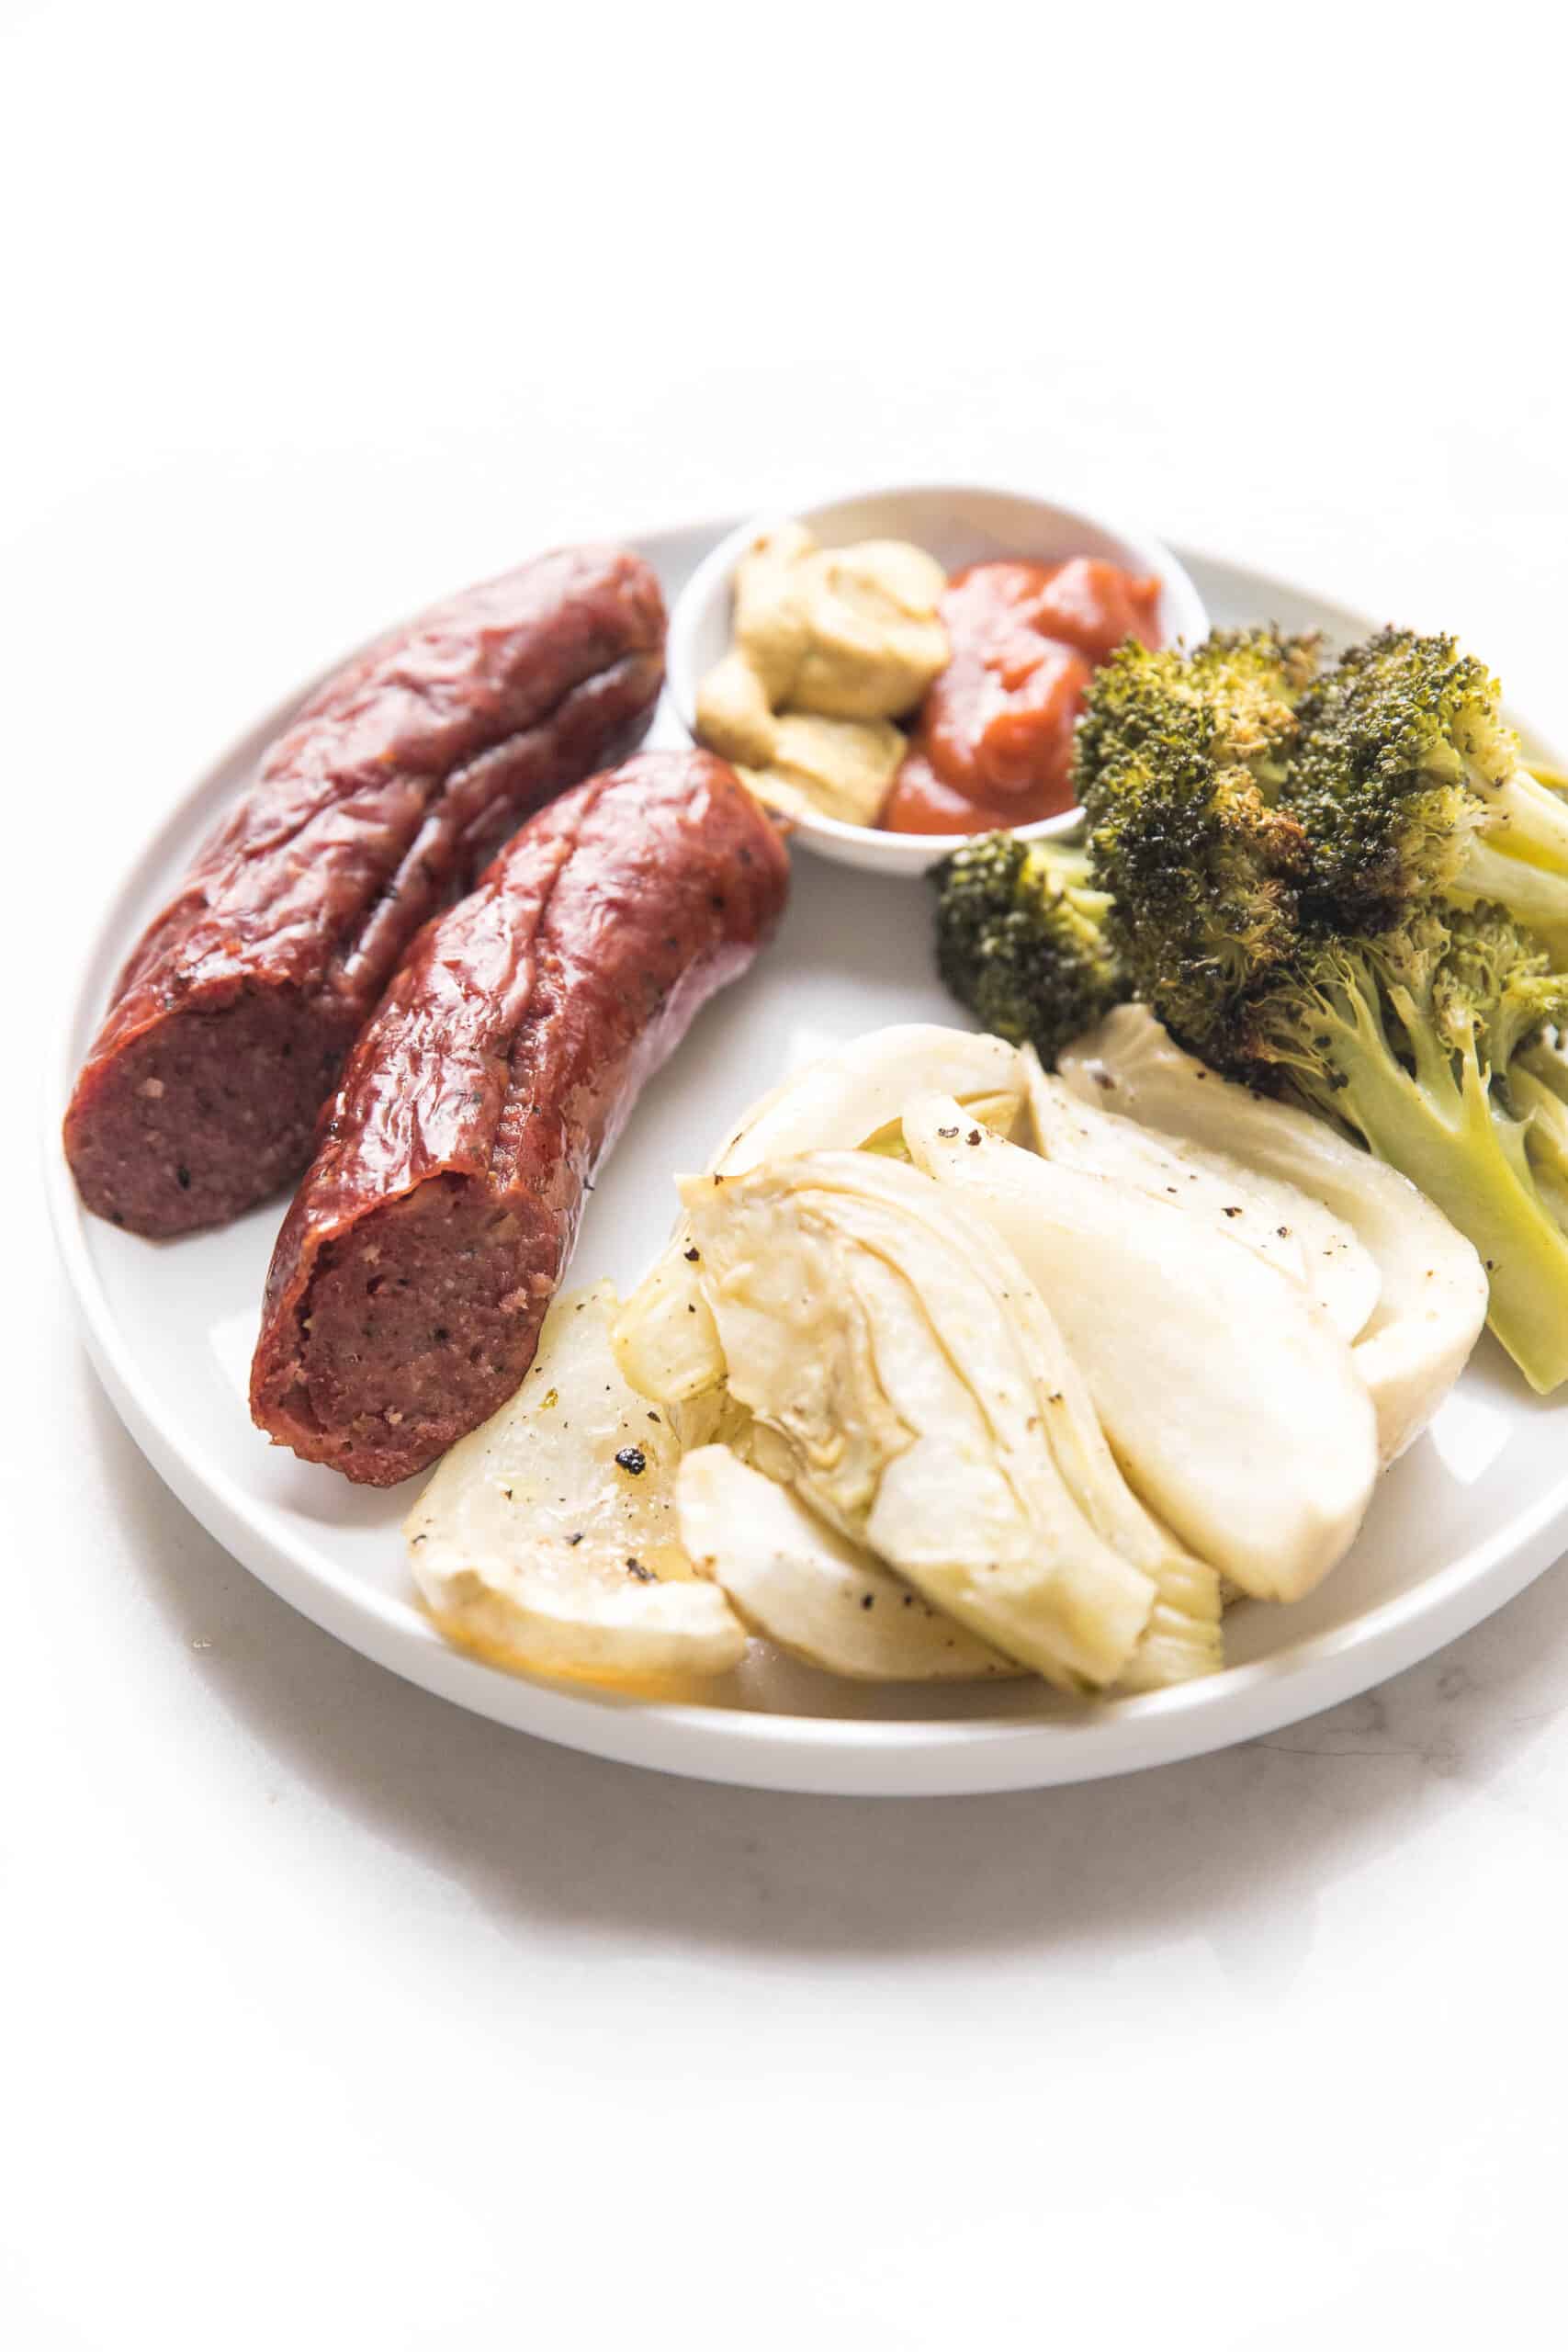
333, 2015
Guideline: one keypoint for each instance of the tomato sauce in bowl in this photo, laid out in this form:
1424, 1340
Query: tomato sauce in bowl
993, 744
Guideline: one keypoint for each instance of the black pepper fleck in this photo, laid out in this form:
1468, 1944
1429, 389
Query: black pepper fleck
632, 1459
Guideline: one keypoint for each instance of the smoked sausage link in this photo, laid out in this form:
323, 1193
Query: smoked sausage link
427, 1239
378, 806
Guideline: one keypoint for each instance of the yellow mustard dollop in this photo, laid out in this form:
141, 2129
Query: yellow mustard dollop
830, 646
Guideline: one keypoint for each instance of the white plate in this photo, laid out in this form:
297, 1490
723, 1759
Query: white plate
1475, 1511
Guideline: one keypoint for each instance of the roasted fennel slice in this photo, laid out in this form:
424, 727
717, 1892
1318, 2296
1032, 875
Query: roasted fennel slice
547, 1541
1432, 1294
664, 1337
808, 1589
1230, 1402
894, 1348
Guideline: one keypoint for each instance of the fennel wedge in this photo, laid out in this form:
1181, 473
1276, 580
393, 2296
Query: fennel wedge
664, 1337
1432, 1295
548, 1540
800, 1583
1230, 1401
883, 1354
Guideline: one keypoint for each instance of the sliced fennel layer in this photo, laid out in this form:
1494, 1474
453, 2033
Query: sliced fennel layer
883, 1354
802, 1585
1230, 1402
664, 1337
1280, 1224
548, 1540
1432, 1299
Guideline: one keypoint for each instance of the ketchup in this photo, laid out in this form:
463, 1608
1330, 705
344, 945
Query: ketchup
993, 744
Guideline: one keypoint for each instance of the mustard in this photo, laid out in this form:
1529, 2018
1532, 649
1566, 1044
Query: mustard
830, 646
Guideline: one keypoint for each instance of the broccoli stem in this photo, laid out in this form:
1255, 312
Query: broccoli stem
1545, 1117
1546, 1062
1469, 1159
1533, 895
1526, 822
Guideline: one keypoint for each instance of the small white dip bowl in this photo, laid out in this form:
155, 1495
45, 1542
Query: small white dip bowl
958, 524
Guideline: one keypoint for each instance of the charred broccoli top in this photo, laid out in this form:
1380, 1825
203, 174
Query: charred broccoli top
1238, 692
1410, 784
1178, 763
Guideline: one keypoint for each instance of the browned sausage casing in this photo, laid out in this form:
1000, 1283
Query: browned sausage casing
378, 807
415, 1268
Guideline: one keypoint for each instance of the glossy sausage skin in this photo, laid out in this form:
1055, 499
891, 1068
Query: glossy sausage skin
413, 1270
378, 807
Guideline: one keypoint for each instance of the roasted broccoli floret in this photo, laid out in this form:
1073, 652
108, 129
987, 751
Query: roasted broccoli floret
1406, 1015
1411, 784
1239, 691
1347, 891
1021, 940
1178, 762
1410, 1039
1497, 987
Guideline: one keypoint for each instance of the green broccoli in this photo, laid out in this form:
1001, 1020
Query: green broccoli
1403, 1015
1411, 784
1237, 695
1021, 940
1177, 761
1410, 1040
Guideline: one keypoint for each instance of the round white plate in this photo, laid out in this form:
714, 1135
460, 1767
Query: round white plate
1472, 1513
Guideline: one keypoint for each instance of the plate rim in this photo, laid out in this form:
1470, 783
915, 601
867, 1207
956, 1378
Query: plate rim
806, 1754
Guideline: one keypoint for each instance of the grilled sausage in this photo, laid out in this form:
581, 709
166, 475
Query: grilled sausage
378, 807
414, 1268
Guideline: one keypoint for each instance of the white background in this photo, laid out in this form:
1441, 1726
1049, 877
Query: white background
332, 2017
